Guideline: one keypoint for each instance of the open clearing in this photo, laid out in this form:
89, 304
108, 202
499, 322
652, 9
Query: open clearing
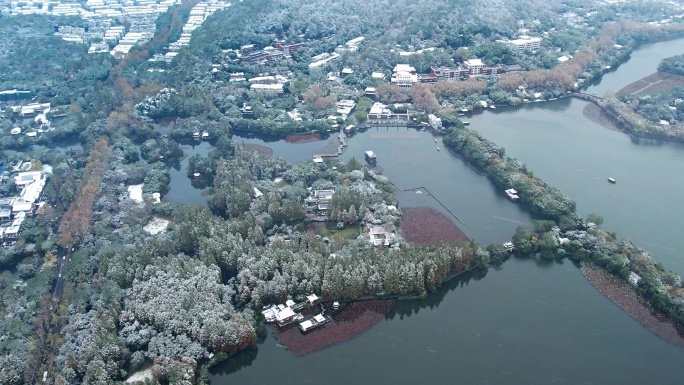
657, 83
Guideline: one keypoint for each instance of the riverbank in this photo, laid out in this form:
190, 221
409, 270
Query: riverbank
259, 149
625, 297
617, 116
599, 116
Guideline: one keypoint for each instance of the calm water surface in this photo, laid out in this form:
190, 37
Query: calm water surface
531, 321
181, 190
642, 62
577, 156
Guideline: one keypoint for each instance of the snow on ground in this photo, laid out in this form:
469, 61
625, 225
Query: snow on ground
156, 225
140, 376
135, 193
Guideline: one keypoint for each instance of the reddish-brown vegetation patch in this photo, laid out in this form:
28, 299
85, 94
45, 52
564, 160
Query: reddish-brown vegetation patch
425, 225
657, 83
303, 138
349, 321
621, 294
263, 150
597, 115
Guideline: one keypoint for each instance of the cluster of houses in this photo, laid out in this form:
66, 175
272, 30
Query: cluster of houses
198, 14
280, 49
405, 76
15, 209
105, 20
139, 16
39, 112
350, 46
319, 200
289, 313
269, 85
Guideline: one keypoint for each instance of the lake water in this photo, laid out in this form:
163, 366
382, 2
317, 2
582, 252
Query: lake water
577, 156
642, 62
181, 190
530, 321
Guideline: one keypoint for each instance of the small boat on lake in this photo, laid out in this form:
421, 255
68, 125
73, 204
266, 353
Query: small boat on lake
437, 148
493, 107
512, 194
435, 140
611, 180
466, 123
371, 158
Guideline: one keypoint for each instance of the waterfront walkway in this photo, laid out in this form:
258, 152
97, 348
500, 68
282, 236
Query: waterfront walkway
589, 97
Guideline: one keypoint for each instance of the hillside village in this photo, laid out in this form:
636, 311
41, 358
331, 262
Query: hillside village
117, 26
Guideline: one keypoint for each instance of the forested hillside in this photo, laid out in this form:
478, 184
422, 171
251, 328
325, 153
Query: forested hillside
32, 58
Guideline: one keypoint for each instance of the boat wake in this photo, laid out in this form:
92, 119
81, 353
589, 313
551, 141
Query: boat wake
508, 219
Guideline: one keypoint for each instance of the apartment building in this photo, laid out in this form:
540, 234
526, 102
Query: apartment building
524, 43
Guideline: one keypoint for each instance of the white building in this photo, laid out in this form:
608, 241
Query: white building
323, 58
435, 122
344, 107
269, 89
379, 236
404, 76
268, 79
524, 43
474, 66
26, 178
379, 111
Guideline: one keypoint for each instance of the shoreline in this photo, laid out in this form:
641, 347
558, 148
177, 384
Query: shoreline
598, 115
627, 299
607, 119
258, 148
